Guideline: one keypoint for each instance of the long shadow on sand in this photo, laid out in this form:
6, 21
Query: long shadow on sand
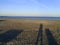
51, 39
2, 20
9, 35
39, 37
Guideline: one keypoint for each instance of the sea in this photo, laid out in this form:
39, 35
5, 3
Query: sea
32, 17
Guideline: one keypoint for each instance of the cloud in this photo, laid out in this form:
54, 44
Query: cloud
28, 1
38, 3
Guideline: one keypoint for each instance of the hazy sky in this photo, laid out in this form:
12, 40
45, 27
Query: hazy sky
30, 7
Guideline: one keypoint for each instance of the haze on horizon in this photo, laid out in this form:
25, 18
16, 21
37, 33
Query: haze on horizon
30, 8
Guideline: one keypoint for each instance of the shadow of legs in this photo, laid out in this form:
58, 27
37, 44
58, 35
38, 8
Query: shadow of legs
39, 37
51, 39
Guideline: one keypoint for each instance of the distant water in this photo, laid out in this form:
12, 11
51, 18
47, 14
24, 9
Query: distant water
33, 18
43, 18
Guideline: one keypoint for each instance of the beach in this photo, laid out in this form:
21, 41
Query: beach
30, 31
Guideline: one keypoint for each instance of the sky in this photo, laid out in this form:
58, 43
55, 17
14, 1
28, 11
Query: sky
30, 8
